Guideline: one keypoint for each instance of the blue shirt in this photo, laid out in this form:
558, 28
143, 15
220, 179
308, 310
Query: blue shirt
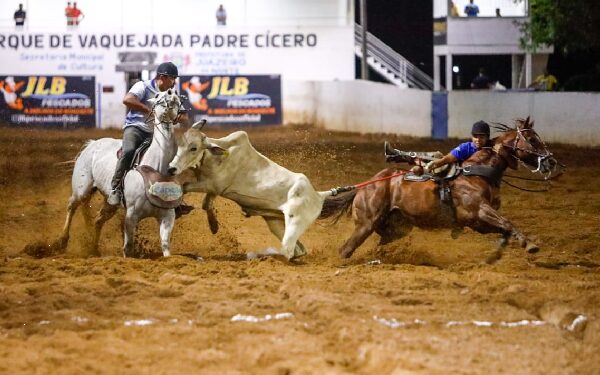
464, 151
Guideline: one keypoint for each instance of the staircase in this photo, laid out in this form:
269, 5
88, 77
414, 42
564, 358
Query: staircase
389, 63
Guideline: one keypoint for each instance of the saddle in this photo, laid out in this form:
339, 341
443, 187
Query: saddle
137, 156
161, 191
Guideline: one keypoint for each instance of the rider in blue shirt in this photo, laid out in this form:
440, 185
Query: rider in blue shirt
480, 138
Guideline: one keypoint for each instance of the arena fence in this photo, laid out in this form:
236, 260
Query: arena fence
371, 107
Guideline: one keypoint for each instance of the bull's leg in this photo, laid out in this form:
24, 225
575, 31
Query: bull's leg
131, 221
208, 206
106, 212
167, 221
491, 221
277, 227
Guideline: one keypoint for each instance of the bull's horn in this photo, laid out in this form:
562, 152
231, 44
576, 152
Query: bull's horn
199, 125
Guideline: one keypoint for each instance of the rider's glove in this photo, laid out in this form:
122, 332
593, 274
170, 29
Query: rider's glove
429, 166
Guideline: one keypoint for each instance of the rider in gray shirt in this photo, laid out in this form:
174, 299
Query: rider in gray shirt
136, 130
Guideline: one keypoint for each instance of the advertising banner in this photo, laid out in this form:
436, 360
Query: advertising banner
233, 99
66, 101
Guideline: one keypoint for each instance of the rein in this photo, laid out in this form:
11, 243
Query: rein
528, 190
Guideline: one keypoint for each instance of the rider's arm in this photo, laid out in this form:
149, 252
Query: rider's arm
132, 102
448, 159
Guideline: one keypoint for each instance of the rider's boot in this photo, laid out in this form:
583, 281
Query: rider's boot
115, 196
391, 154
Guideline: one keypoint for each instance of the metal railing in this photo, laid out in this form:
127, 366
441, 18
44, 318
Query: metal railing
393, 61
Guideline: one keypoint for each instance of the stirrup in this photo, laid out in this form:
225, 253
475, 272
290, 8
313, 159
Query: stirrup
114, 197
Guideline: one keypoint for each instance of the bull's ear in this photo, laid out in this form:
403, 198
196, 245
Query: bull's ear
217, 150
199, 125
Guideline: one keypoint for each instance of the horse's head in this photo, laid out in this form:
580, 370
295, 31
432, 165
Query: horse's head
191, 149
166, 107
523, 144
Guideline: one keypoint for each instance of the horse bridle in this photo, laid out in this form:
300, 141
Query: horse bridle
541, 157
167, 122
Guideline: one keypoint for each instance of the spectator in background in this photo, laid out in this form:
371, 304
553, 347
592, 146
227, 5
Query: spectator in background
76, 14
453, 9
20, 15
471, 10
482, 81
68, 11
544, 82
221, 16
498, 12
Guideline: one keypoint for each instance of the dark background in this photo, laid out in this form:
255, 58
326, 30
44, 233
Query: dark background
407, 27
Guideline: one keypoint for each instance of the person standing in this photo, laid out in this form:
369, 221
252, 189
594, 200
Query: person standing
136, 129
20, 16
471, 9
544, 82
76, 14
221, 16
481, 81
68, 14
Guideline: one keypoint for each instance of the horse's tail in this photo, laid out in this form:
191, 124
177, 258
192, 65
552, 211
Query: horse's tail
338, 205
69, 165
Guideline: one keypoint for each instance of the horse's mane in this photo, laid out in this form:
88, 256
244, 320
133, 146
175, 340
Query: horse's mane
503, 128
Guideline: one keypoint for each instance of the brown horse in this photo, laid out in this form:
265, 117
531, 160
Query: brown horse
391, 207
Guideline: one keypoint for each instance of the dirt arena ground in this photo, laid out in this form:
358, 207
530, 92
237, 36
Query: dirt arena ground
425, 304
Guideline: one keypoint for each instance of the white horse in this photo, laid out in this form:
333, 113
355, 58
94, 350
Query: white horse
94, 168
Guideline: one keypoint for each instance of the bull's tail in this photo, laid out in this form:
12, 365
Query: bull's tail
337, 205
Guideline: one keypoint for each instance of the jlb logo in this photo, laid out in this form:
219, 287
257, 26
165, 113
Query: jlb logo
39, 86
221, 86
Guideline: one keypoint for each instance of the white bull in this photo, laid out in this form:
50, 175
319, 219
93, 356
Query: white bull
232, 168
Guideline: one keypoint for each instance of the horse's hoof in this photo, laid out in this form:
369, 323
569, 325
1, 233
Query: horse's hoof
532, 248
502, 243
345, 254
298, 256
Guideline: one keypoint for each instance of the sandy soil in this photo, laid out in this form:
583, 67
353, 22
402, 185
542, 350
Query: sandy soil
425, 304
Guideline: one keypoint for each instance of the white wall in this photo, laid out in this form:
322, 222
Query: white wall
329, 55
370, 107
358, 106
120, 15
559, 116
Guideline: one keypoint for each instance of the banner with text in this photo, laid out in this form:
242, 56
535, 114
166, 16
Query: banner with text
230, 100
67, 101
